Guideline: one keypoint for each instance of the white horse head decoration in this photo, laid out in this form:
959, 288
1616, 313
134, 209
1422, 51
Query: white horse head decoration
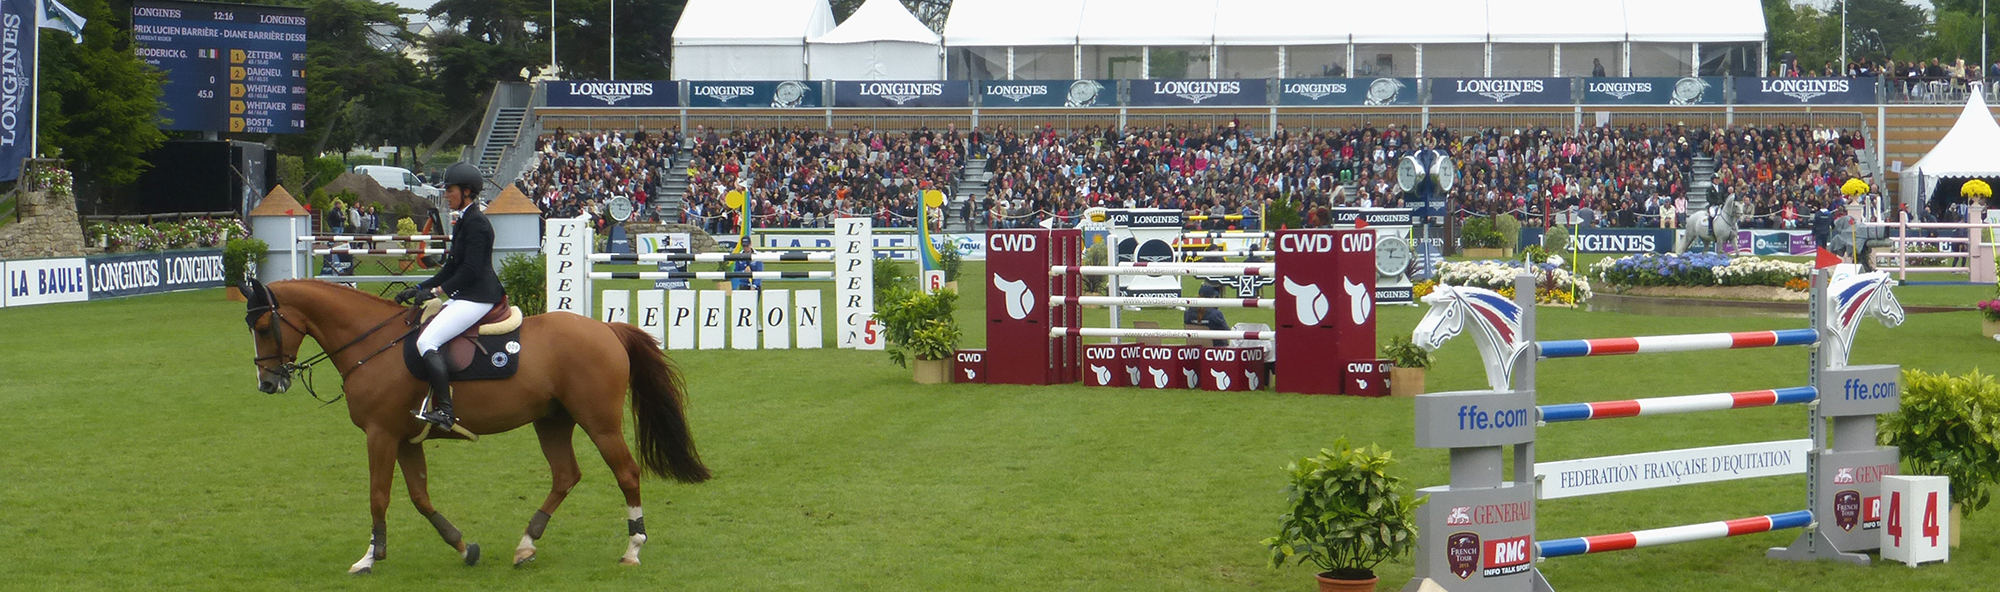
1496, 321
1849, 299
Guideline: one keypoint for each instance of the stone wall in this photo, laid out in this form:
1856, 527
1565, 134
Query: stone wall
48, 228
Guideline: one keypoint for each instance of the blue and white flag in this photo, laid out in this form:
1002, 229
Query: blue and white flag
61, 18
17, 96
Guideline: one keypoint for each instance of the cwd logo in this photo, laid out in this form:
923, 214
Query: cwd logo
1360, 299
1015, 293
1250, 377
1221, 379
1191, 376
1103, 374
1311, 304
1159, 377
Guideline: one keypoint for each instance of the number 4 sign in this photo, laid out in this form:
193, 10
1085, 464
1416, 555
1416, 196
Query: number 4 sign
1915, 529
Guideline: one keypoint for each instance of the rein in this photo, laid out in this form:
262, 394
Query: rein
304, 367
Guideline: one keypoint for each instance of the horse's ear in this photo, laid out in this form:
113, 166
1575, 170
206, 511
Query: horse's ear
248, 289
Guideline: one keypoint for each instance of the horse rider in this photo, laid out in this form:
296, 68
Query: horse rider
466, 278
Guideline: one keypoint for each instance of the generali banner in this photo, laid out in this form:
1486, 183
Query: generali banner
1500, 91
613, 93
1805, 91
902, 93
1183, 93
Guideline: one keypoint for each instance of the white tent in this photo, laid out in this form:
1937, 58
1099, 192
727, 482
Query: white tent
1001, 23
880, 41
1971, 149
747, 39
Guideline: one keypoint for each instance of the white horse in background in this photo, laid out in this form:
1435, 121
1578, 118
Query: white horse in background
1716, 225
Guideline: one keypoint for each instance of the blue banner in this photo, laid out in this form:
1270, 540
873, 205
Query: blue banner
764, 94
902, 93
1181, 93
1048, 93
131, 274
613, 93
1347, 91
1805, 91
1653, 91
17, 106
1609, 240
1500, 91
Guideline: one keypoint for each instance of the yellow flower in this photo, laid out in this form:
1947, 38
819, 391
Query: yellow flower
1976, 188
1854, 187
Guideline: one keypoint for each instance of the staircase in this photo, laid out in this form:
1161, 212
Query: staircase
1702, 180
971, 186
672, 199
506, 129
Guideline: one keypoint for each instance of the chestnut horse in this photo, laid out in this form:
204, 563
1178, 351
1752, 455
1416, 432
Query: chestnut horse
574, 372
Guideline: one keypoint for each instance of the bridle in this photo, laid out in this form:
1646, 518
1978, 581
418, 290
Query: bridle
304, 367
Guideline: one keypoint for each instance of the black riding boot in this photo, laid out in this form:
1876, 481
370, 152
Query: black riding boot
440, 413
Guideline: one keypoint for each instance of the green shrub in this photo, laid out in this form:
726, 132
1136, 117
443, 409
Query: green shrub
240, 258
1478, 233
1283, 213
525, 277
1095, 255
918, 324
891, 275
1509, 229
1406, 354
1556, 239
1950, 426
950, 260
1346, 513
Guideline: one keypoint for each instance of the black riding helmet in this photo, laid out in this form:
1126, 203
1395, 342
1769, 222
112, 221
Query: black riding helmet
466, 177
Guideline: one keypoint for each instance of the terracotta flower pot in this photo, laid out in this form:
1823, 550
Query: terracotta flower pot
232, 294
1327, 584
1406, 382
931, 371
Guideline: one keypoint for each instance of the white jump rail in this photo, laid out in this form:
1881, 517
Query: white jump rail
706, 257
1164, 269
711, 275
1163, 301
1160, 333
1975, 248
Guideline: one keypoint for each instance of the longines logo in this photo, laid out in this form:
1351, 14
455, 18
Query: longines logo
724, 92
1315, 90
1620, 90
611, 92
1499, 90
1803, 89
1196, 91
1016, 92
902, 92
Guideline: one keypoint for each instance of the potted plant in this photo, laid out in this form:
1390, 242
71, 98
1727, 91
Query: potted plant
950, 261
1950, 426
240, 258
1346, 515
1407, 378
920, 326
1479, 239
1510, 233
1094, 284
1989, 317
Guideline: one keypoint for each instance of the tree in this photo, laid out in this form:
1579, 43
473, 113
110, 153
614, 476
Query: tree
645, 35
99, 102
359, 88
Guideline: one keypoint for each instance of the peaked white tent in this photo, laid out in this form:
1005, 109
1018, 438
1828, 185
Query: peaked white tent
880, 41
1970, 150
747, 39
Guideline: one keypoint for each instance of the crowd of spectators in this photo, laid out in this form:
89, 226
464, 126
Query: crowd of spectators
805, 178
577, 173
1634, 175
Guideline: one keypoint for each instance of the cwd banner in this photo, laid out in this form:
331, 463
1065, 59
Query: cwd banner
18, 23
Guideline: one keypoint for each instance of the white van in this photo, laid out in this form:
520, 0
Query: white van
399, 178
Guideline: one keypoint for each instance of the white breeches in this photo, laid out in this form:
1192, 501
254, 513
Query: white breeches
457, 316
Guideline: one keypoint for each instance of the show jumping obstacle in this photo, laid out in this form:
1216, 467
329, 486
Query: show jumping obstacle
713, 319
323, 245
1476, 532
1325, 318
1975, 251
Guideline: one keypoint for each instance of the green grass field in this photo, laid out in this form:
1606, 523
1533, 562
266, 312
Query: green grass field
139, 456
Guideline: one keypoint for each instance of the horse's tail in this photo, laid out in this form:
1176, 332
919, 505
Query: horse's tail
666, 446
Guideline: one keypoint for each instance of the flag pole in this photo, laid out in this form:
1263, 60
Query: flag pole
35, 85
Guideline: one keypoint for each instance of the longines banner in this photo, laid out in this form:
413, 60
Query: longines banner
901, 93
1654, 91
1182, 93
764, 94
1610, 240
613, 93
1347, 91
1048, 93
1500, 91
17, 101
131, 274
1806, 91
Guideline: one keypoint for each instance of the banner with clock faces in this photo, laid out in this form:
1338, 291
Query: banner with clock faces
1146, 235
1393, 252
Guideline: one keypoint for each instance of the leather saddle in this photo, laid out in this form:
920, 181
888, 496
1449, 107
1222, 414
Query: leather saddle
490, 350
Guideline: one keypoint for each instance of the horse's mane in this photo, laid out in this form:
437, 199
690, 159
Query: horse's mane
332, 289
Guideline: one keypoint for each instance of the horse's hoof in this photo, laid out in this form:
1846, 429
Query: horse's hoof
472, 554
523, 556
361, 571
627, 561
